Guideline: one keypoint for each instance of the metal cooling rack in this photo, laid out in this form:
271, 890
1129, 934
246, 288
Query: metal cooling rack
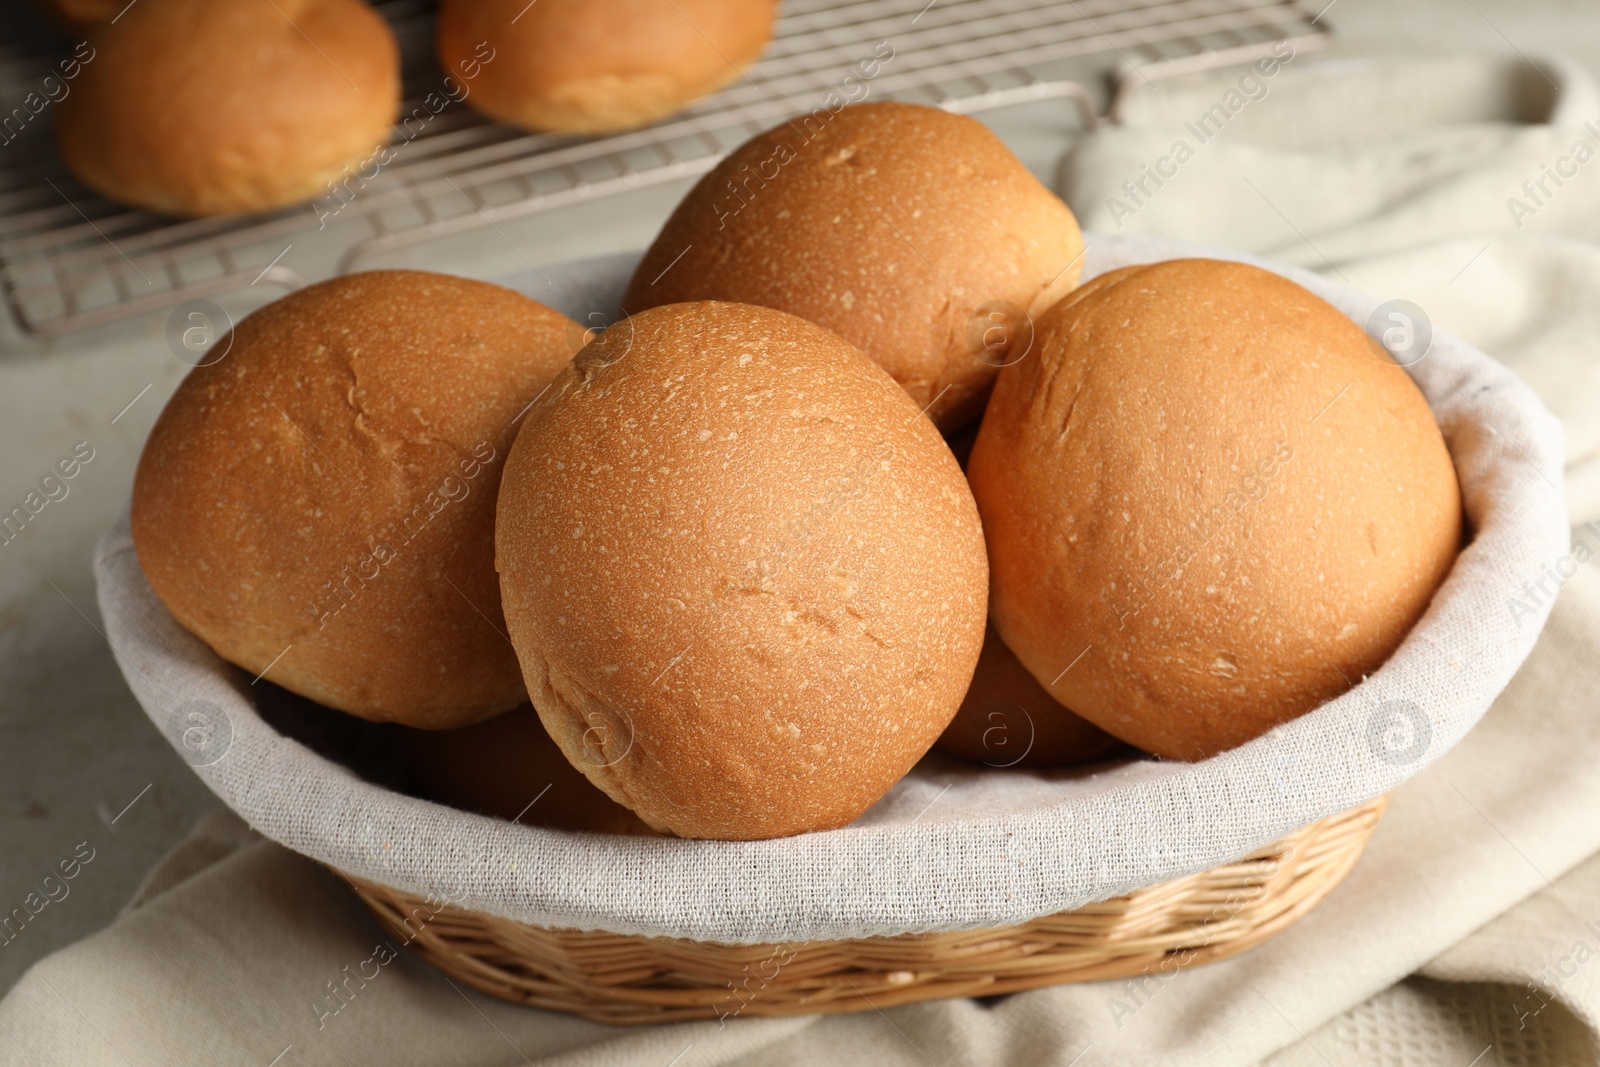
70, 259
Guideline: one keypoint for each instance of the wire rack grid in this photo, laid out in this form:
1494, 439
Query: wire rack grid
70, 259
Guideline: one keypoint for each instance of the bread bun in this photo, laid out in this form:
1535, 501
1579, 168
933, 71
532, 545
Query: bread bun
746, 580
1210, 505
590, 66
911, 232
509, 768
1008, 719
208, 107
318, 503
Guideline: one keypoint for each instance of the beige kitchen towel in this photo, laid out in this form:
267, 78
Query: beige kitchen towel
1521, 990
239, 951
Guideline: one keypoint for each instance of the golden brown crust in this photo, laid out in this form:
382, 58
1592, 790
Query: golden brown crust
746, 580
1212, 500
911, 232
591, 66
207, 107
1007, 719
509, 768
320, 500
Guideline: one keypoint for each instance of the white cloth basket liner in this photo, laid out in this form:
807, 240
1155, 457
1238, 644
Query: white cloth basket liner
950, 847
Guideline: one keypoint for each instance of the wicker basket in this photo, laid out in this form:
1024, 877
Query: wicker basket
615, 978
814, 900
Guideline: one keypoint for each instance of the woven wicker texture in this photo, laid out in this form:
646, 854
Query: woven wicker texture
615, 978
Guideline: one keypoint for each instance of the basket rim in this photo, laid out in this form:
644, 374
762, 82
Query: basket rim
887, 874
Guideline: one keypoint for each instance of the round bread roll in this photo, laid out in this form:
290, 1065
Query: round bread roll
318, 503
745, 579
1009, 720
591, 66
1210, 505
911, 232
509, 768
209, 107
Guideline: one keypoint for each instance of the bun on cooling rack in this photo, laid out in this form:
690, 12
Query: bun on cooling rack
591, 66
911, 232
210, 107
745, 577
1211, 504
318, 502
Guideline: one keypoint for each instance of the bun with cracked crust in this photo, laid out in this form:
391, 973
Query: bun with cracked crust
317, 503
911, 232
745, 578
1211, 504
